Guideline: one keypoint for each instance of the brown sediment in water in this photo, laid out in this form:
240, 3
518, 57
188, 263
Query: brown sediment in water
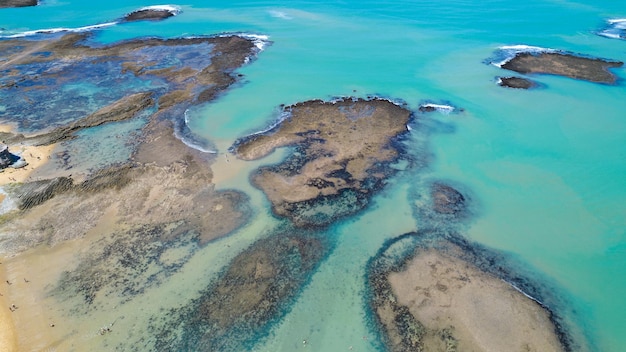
437, 300
568, 65
340, 146
17, 3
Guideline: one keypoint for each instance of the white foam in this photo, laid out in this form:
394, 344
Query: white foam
508, 52
173, 9
282, 117
524, 293
446, 109
59, 30
617, 21
616, 29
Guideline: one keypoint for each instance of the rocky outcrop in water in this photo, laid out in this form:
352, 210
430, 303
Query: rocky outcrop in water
563, 64
340, 158
155, 13
516, 82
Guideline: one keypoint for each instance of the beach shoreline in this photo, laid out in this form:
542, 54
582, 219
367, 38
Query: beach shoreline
35, 156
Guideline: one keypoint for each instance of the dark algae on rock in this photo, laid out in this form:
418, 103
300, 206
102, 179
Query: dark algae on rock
341, 152
255, 290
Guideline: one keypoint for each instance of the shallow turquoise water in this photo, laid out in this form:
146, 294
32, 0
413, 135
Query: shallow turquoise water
546, 167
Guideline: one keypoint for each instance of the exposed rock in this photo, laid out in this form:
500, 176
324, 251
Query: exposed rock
516, 82
340, 158
17, 3
568, 65
154, 13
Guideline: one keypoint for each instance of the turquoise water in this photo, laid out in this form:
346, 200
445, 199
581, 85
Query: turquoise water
546, 167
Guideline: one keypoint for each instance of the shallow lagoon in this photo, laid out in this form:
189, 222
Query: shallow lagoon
545, 166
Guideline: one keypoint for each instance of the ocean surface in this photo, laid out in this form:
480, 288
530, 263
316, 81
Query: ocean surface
545, 168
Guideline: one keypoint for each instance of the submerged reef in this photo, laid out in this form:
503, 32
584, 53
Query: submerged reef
434, 291
255, 290
18, 3
564, 64
340, 154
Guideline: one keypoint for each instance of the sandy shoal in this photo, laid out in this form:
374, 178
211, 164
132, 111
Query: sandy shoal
482, 312
35, 156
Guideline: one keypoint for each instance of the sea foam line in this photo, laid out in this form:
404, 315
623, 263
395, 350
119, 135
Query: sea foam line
60, 29
524, 293
179, 134
616, 29
173, 9
506, 53
446, 109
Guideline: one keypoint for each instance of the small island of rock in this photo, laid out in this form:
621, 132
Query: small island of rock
153, 13
340, 155
563, 64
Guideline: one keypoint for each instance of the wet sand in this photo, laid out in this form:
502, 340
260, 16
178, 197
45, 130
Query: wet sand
8, 341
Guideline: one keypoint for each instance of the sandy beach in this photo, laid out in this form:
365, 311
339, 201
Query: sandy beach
8, 341
35, 156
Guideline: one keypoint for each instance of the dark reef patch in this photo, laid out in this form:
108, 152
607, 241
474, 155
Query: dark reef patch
400, 330
564, 64
516, 82
342, 155
255, 291
125, 264
447, 200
